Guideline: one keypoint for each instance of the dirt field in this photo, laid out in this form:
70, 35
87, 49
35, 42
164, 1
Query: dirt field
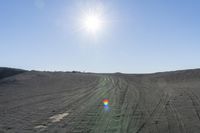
58, 102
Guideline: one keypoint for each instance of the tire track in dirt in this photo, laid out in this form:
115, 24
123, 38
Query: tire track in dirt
157, 109
73, 103
195, 102
106, 117
118, 118
44, 121
174, 118
131, 116
171, 109
95, 108
115, 124
130, 109
80, 118
50, 97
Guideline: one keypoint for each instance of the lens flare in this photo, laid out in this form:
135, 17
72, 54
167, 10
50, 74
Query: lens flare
105, 103
106, 107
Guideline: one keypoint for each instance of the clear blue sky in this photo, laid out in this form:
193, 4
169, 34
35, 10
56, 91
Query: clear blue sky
140, 35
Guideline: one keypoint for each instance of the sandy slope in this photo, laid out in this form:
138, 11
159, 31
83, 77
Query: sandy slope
72, 103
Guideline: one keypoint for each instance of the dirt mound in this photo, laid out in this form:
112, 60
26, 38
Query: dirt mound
7, 72
68, 102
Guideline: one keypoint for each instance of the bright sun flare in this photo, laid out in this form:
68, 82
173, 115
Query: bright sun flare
92, 22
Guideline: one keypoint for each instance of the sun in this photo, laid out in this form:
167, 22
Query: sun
92, 22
